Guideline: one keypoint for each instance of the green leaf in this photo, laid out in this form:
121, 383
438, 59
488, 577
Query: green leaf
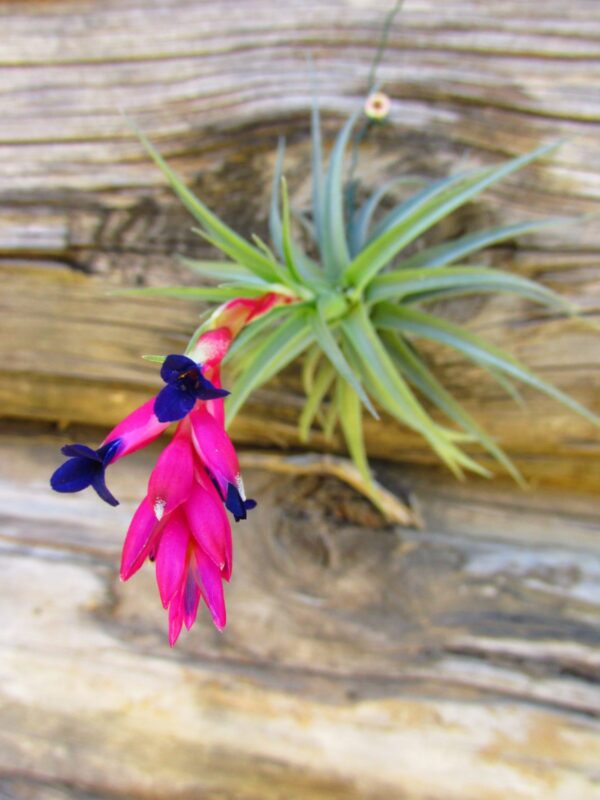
394, 394
278, 349
257, 327
419, 215
278, 273
275, 230
223, 235
350, 414
449, 252
403, 283
433, 189
312, 275
288, 247
309, 366
417, 371
304, 270
336, 255
324, 377
331, 349
155, 359
252, 285
266, 250
409, 320
361, 222
215, 294
317, 170
330, 418
219, 270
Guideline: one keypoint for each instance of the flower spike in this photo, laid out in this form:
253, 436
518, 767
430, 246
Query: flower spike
181, 524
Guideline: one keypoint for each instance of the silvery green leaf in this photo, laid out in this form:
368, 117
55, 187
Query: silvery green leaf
422, 212
412, 321
277, 350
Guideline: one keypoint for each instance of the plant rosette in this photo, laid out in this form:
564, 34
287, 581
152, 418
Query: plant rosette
354, 305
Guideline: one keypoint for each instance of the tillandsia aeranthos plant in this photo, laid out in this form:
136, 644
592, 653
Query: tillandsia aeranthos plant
354, 306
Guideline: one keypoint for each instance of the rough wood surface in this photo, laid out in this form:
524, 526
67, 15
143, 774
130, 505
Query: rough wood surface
457, 663
213, 83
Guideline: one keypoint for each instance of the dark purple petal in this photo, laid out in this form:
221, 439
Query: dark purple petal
75, 474
80, 451
108, 451
99, 485
173, 403
85, 468
174, 366
236, 504
207, 391
215, 483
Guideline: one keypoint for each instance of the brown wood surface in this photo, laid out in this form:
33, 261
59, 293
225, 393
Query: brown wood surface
359, 661
213, 83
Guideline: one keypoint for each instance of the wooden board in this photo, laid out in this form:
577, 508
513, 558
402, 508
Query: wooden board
457, 663
213, 84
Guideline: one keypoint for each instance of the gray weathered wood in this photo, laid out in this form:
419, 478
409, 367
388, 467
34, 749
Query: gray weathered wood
460, 663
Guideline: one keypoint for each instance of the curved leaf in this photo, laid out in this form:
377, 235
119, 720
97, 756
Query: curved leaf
449, 252
216, 294
436, 188
300, 268
404, 283
274, 215
309, 366
431, 207
316, 168
219, 270
417, 371
221, 233
322, 383
277, 273
259, 325
409, 320
351, 420
336, 255
331, 349
394, 394
361, 222
277, 350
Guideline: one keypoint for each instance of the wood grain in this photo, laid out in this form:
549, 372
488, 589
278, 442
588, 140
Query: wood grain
457, 663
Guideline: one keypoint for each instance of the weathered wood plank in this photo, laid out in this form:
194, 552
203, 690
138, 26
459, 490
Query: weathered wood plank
71, 353
461, 663
213, 85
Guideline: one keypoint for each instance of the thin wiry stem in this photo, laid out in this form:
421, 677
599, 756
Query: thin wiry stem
383, 40
368, 123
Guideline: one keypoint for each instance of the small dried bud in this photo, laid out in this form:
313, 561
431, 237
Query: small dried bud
377, 106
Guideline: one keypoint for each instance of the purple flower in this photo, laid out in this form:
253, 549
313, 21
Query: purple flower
185, 385
86, 467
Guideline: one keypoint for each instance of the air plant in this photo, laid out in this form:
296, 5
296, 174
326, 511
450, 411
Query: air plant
357, 305
354, 305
